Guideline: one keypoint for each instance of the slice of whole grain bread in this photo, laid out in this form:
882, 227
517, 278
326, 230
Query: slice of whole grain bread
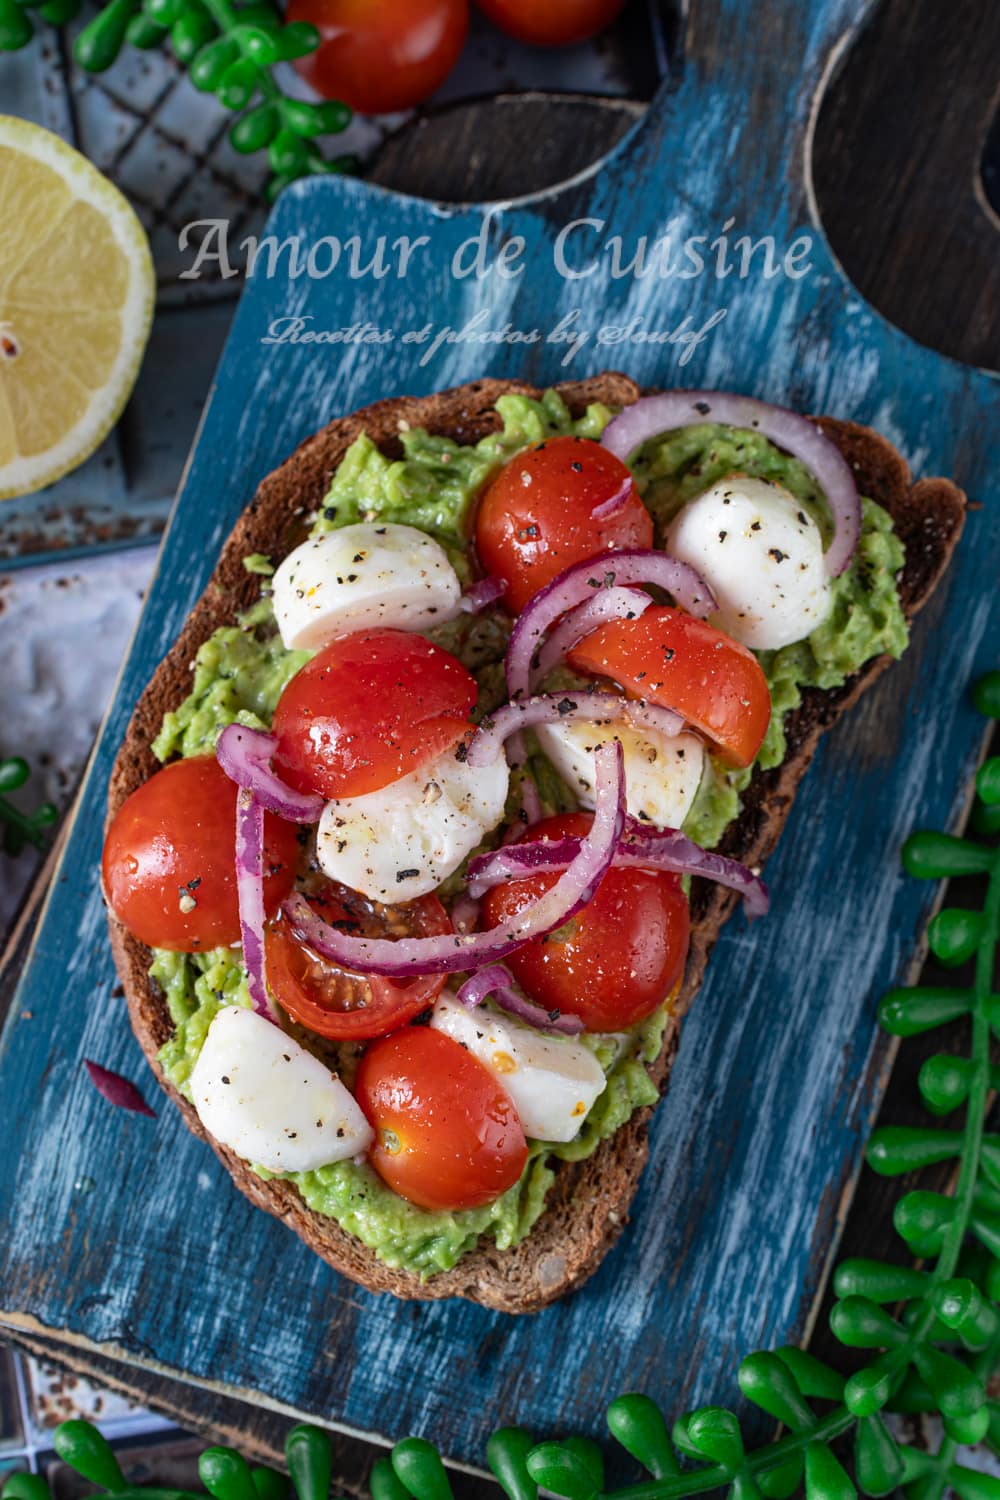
588, 1204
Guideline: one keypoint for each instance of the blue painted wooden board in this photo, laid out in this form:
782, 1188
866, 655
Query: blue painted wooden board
127, 1235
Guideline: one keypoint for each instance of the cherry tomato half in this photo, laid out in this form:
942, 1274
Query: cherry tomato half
673, 659
447, 1136
551, 23
618, 958
381, 55
336, 1003
368, 709
169, 863
535, 518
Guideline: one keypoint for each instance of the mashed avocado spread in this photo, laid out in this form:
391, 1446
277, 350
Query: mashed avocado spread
240, 672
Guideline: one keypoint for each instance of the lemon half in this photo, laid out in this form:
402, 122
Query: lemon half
77, 289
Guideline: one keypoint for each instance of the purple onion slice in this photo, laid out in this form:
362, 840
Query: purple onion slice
652, 416
119, 1091
454, 952
581, 582
494, 980
245, 756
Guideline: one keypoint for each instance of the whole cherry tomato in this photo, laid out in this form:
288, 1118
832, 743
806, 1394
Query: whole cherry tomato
536, 517
447, 1136
617, 959
673, 659
551, 23
336, 1003
169, 863
368, 709
379, 56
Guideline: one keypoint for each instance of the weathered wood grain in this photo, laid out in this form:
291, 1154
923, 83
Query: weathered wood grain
755, 1148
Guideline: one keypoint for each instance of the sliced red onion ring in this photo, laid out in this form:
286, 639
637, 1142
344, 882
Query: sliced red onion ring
478, 595
640, 848
453, 952
605, 509
245, 756
118, 1091
651, 416
579, 582
465, 913
607, 604
494, 980
250, 890
566, 708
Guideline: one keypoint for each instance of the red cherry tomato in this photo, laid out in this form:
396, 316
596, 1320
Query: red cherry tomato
336, 1003
535, 518
551, 23
675, 660
618, 958
381, 55
368, 709
447, 1136
169, 863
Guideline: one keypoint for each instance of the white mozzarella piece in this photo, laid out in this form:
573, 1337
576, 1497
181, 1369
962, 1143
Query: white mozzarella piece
405, 839
361, 577
264, 1096
552, 1080
662, 772
762, 556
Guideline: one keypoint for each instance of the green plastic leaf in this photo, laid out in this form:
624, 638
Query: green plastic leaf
712, 1433
878, 1281
101, 40
192, 32
956, 1389
589, 1454
383, 1484
16, 32
896, 1149
256, 129
80, 1445
825, 1476
986, 695
211, 62
287, 154
309, 1456
24, 1486
555, 1467
988, 784
917, 1463
868, 1390
768, 1383
861, 1324
238, 84
973, 1484
14, 771
922, 1219
913, 1397
878, 1463
784, 1479
815, 1380
418, 1465
268, 1483
985, 819
968, 1430
961, 1306
297, 39
909, 1012
637, 1424
226, 1475
944, 1082
986, 1228
955, 934
141, 32
507, 1455
940, 856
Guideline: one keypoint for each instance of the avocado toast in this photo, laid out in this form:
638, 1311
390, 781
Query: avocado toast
586, 1205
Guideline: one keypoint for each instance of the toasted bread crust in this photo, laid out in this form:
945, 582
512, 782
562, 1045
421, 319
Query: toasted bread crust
588, 1204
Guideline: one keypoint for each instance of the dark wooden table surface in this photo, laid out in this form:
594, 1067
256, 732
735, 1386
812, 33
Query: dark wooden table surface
907, 154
